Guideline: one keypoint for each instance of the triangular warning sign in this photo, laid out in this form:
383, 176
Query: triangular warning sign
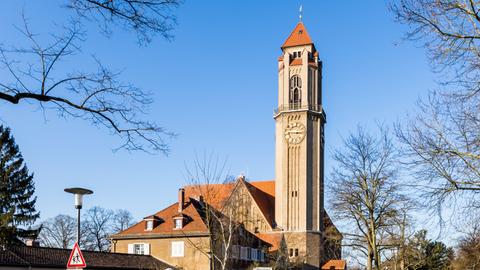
76, 259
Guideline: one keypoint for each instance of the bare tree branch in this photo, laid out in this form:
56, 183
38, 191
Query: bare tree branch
98, 97
145, 17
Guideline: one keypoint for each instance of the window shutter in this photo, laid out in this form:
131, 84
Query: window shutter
243, 253
178, 249
130, 248
146, 248
234, 252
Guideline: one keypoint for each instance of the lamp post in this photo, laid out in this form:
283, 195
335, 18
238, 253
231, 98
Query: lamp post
78, 192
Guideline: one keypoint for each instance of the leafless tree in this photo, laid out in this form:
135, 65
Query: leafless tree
205, 172
229, 220
59, 232
99, 96
366, 193
442, 140
468, 248
449, 30
122, 219
398, 237
279, 260
36, 72
146, 17
98, 227
442, 147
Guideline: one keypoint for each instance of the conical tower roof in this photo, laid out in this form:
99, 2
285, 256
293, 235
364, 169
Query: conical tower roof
298, 37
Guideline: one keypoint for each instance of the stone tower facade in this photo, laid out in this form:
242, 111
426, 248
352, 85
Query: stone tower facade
299, 135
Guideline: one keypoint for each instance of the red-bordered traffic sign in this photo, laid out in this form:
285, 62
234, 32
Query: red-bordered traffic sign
76, 259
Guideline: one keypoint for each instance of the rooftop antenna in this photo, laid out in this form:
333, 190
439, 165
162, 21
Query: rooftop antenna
300, 11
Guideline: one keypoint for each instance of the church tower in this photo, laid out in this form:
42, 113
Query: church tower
299, 148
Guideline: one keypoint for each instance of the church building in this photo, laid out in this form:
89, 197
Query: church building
246, 224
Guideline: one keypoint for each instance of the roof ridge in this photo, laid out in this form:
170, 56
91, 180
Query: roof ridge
260, 181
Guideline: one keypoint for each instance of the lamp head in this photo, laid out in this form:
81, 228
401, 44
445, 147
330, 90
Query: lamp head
78, 192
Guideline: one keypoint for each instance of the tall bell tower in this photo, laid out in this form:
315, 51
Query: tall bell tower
299, 149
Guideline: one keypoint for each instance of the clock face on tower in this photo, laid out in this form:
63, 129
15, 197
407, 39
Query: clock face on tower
294, 133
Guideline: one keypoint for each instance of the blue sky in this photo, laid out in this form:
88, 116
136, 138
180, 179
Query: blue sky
216, 86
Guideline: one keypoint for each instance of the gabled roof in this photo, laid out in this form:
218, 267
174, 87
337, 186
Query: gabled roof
214, 194
217, 195
263, 193
298, 37
194, 222
265, 201
41, 257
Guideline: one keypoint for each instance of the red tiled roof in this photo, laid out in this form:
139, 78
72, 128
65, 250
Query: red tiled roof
299, 36
41, 257
214, 194
265, 186
296, 62
262, 194
194, 222
274, 239
335, 264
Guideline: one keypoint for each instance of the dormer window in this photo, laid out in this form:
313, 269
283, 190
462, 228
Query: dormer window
149, 225
178, 223
151, 222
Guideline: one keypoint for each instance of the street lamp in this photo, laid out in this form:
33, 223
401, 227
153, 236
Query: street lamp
78, 192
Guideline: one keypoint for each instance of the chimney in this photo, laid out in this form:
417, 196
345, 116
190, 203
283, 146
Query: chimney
32, 243
181, 199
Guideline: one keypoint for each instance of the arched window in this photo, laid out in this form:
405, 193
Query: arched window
295, 92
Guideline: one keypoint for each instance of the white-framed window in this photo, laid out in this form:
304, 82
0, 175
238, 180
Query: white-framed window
149, 225
139, 248
178, 223
178, 249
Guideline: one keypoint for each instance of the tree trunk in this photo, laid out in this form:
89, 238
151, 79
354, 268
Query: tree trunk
369, 259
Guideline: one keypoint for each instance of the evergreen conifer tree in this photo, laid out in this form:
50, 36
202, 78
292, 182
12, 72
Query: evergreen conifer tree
17, 203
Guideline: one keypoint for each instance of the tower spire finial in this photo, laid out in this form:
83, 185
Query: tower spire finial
300, 11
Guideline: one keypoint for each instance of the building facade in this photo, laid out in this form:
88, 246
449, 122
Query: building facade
280, 223
300, 121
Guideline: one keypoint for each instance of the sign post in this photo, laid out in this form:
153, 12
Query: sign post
76, 260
